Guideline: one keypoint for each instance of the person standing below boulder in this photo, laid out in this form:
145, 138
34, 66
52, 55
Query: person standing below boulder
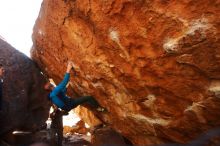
1, 82
58, 94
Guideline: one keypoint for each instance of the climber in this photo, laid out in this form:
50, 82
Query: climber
58, 94
1, 82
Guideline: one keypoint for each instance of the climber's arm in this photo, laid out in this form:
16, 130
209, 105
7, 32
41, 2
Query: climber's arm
62, 85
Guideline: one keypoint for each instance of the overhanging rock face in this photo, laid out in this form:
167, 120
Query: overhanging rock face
24, 102
155, 65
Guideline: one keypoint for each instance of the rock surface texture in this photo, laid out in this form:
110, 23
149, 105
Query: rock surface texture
25, 105
153, 64
106, 136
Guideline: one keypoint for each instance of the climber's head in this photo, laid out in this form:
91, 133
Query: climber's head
1, 70
48, 86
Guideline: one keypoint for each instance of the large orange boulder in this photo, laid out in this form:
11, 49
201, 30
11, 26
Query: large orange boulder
154, 65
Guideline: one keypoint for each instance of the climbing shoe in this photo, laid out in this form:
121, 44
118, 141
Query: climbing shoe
101, 109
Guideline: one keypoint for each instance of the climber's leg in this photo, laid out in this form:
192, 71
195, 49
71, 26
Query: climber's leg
85, 99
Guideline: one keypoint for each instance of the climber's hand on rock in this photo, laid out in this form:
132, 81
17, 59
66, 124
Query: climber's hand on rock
69, 67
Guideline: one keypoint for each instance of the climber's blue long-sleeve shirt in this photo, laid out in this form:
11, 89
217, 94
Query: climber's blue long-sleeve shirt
58, 95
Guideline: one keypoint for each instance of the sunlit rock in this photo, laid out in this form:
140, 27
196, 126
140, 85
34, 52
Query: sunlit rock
151, 64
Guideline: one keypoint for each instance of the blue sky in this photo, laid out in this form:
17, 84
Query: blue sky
17, 21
